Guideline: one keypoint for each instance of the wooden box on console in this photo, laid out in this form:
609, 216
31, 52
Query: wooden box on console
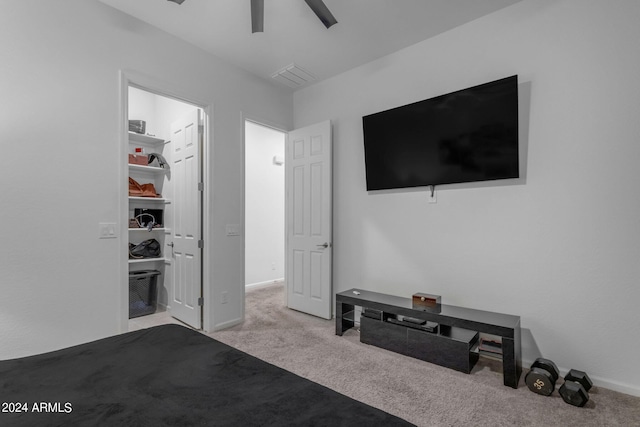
426, 302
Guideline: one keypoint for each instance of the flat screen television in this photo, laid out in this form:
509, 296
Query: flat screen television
464, 136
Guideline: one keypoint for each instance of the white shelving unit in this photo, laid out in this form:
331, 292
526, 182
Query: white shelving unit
145, 174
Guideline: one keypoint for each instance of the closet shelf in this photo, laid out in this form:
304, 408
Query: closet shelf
149, 199
145, 139
143, 260
147, 169
165, 230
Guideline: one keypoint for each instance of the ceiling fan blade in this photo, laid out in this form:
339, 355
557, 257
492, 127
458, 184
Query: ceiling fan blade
177, 1
257, 16
322, 11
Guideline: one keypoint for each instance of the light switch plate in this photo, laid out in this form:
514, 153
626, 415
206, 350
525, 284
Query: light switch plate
107, 230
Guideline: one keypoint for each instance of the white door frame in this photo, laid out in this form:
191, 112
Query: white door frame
149, 84
280, 128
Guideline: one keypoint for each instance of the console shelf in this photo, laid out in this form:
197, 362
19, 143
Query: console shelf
454, 346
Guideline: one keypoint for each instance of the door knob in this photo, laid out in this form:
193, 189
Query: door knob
325, 245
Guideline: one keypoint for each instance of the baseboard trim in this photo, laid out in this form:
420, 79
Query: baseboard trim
227, 324
615, 386
265, 284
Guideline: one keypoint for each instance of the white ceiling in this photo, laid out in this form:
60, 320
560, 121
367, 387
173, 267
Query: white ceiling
366, 29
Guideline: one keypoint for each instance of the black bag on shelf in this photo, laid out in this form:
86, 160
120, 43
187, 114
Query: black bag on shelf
149, 248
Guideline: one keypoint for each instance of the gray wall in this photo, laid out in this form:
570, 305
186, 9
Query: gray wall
61, 165
559, 247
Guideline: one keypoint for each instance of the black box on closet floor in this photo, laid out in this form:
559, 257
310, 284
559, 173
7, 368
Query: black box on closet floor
143, 292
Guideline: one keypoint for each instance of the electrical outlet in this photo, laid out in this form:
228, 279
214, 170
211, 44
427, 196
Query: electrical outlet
433, 197
107, 230
233, 229
273, 265
225, 297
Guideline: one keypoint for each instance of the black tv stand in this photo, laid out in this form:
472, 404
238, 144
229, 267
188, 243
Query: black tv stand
451, 346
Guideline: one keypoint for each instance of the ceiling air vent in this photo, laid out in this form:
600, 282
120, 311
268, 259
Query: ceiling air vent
293, 76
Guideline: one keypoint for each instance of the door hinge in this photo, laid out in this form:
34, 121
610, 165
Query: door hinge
200, 244
201, 186
200, 301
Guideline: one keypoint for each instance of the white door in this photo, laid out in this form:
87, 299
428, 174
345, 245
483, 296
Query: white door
308, 219
186, 137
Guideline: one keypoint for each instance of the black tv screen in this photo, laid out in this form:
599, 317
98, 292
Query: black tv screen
464, 136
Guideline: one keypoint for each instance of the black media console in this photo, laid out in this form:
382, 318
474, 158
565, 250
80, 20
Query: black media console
452, 345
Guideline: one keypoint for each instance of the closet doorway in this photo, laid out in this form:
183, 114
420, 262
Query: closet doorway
264, 204
173, 130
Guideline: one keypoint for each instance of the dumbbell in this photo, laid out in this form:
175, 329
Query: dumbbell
575, 390
542, 376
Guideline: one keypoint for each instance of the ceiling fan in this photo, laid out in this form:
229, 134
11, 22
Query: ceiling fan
257, 13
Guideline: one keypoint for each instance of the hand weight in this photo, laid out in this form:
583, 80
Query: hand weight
542, 376
575, 389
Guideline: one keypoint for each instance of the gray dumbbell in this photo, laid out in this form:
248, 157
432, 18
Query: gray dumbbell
542, 376
575, 390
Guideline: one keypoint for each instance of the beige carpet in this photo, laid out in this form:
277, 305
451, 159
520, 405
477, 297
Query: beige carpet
419, 392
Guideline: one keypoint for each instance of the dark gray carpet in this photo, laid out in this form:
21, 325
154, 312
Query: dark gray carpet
420, 392
169, 375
